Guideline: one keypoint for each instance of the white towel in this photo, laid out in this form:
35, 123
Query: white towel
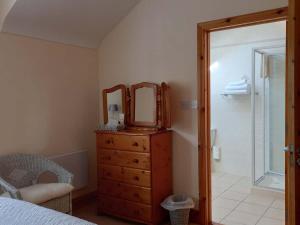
237, 87
238, 83
232, 92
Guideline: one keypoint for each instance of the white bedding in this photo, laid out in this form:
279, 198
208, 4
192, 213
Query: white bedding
14, 212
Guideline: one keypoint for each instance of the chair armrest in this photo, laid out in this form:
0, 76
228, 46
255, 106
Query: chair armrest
13, 192
63, 175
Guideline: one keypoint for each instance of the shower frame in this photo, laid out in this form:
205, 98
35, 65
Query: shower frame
259, 50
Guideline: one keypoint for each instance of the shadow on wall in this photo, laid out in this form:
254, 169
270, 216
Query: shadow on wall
185, 154
185, 171
183, 119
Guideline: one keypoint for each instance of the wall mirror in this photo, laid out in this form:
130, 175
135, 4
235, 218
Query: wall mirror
144, 107
114, 104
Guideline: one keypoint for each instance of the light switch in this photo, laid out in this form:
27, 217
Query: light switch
189, 104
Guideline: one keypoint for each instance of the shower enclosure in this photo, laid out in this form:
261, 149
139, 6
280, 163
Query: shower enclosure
268, 117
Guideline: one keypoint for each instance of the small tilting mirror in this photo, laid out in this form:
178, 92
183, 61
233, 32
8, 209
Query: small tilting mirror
144, 104
114, 105
146, 107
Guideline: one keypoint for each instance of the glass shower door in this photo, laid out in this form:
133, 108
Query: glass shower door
276, 115
269, 118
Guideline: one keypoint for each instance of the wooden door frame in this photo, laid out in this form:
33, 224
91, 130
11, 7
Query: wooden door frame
203, 59
293, 109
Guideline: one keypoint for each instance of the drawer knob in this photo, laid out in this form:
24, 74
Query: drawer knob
109, 141
135, 144
136, 161
136, 178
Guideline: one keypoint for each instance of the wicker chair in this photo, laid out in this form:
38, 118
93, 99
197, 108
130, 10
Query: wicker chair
19, 174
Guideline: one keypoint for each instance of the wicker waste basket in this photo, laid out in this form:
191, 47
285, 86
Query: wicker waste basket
179, 208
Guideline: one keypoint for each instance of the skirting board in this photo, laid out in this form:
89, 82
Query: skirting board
83, 200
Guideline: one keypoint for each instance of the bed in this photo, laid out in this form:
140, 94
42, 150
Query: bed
15, 212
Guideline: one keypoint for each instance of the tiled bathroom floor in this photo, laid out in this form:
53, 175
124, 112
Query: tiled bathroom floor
235, 204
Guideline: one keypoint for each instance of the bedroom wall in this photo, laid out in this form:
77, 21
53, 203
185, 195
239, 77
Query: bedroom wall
157, 42
5, 6
49, 98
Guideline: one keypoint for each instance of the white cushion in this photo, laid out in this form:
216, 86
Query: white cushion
40, 193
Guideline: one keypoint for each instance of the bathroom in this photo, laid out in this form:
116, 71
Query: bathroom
247, 99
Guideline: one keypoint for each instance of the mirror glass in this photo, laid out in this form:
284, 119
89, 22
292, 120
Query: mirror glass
145, 104
114, 105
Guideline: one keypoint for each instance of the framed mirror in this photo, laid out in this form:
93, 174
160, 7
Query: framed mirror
114, 104
144, 104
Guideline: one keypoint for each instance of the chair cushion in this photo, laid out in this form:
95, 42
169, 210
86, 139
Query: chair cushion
40, 193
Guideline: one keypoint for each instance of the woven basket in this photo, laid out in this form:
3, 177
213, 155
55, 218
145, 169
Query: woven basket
180, 217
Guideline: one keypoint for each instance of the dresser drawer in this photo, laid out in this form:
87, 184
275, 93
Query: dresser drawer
125, 175
125, 191
124, 208
124, 142
122, 158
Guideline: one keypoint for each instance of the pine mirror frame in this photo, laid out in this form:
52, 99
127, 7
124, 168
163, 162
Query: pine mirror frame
105, 92
156, 109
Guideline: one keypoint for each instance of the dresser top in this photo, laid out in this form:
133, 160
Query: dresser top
133, 132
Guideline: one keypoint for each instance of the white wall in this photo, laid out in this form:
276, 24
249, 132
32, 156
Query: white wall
157, 42
231, 116
49, 98
5, 7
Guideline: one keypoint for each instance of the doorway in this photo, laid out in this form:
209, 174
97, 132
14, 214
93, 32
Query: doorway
206, 131
247, 119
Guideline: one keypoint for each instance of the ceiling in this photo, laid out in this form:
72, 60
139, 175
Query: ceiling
78, 22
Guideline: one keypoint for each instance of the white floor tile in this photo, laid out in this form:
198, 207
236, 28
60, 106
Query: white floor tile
245, 181
225, 184
235, 204
278, 204
254, 209
228, 178
217, 174
244, 189
275, 214
225, 203
268, 221
216, 192
260, 199
241, 217
227, 222
218, 213
231, 177
233, 195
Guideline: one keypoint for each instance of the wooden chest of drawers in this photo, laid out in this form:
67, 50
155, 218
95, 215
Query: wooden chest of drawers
134, 174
